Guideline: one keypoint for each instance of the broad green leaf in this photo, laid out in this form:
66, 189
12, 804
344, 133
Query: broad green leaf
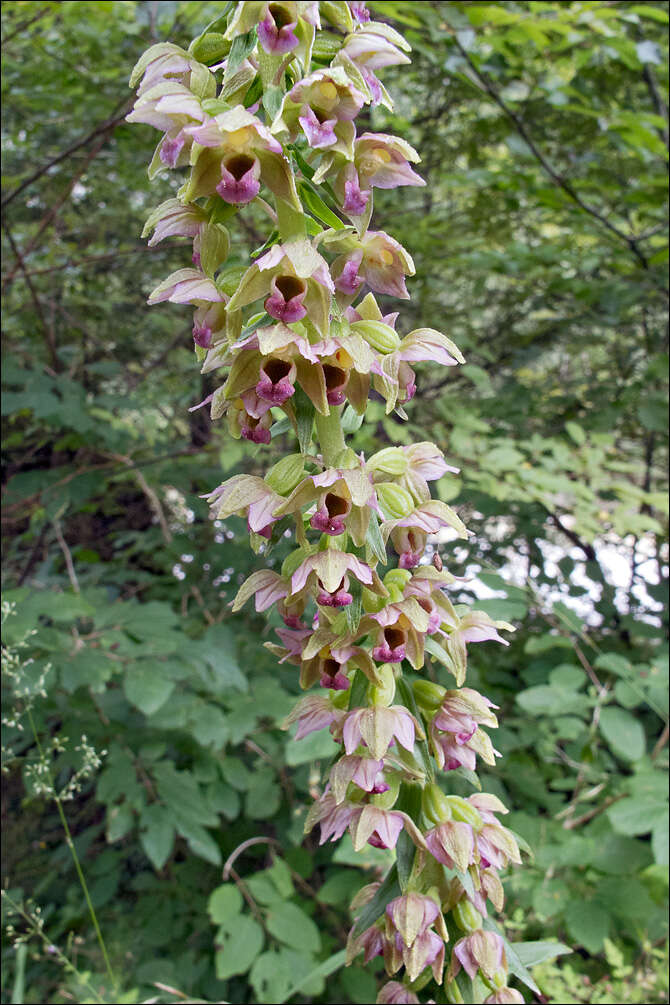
290, 925
157, 833
241, 940
146, 686
623, 733
224, 903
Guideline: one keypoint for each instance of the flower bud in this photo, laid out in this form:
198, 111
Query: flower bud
466, 916
464, 811
397, 577
429, 696
391, 461
286, 474
372, 602
210, 48
380, 336
387, 799
383, 692
435, 804
395, 501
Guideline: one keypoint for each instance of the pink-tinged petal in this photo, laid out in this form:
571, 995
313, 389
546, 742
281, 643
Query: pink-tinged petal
171, 147
351, 734
271, 258
319, 134
276, 39
349, 281
366, 775
482, 633
404, 731
202, 336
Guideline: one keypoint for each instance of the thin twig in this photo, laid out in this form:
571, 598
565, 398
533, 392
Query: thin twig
154, 501
628, 239
103, 127
660, 743
21, 265
67, 555
241, 848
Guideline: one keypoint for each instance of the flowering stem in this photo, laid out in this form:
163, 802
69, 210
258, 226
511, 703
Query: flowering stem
75, 858
331, 435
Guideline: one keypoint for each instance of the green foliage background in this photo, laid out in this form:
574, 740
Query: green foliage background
541, 249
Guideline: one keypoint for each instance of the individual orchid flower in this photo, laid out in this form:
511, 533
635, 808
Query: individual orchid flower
454, 732
409, 533
375, 259
395, 993
172, 106
330, 570
323, 106
186, 286
344, 497
283, 27
377, 727
393, 376
379, 161
294, 282
373, 46
367, 773
453, 844
480, 951
312, 713
246, 495
236, 152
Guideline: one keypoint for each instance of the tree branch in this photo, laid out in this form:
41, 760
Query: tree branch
628, 239
103, 128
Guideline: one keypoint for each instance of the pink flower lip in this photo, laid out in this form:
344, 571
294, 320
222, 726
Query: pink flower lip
239, 182
170, 150
255, 432
340, 598
338, 682
336, 381
409, 559
348, 282
202, 336
355, 200
285, 302
392, 648
330, 516
320, 132
275, 31
275, 384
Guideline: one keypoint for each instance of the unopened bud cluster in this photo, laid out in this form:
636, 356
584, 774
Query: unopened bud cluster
261, 111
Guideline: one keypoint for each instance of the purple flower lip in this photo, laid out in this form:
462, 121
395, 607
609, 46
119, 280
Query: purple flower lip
409, 559
275, 31
330, 516
340, 598
170, 150
319, 130
276, 381
392, 649
348, 282
285, 303
255, 432
332, 676
239, 179
355, 200
336, 381
202, 336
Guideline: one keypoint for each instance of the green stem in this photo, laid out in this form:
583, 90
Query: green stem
331, 435
64, 960
75, 857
